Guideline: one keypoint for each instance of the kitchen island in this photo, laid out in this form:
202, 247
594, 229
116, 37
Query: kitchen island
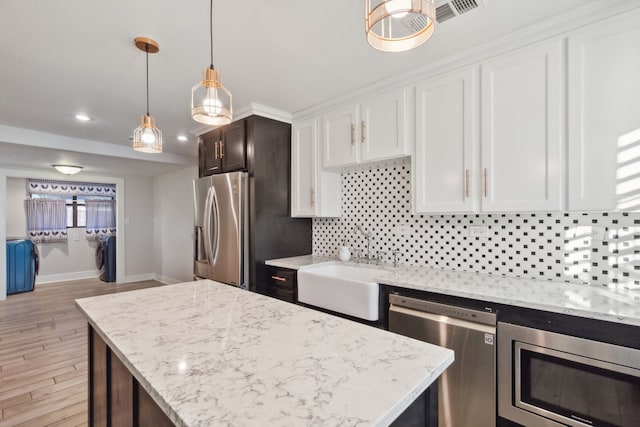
206, 354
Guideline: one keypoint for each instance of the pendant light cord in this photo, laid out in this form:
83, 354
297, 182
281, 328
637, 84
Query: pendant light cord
146, 48
211, 30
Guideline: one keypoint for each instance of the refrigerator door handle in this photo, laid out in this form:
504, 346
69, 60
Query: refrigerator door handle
206, 227
216, 224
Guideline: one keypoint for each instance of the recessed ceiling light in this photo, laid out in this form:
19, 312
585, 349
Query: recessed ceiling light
182, 138
83, 117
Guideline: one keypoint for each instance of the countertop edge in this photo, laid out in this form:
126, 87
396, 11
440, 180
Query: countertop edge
166, 408
408, 399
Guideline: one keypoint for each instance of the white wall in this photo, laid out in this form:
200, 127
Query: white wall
139, 228
16, 218
173, 225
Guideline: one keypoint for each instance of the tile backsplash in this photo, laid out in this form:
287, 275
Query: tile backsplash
555, 246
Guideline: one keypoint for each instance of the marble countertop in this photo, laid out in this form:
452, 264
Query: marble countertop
212, 354
595, 302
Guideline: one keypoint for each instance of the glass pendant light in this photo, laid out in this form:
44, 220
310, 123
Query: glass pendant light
147, 138
399, 25
210, 100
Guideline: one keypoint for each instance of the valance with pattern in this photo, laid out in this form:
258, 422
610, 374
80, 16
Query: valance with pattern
66, 188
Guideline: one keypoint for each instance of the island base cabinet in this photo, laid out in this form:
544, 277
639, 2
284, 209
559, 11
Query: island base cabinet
116, 399
423, 412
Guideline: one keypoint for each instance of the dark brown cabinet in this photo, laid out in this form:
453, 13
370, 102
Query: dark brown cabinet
115, 396
280, 283
223, 150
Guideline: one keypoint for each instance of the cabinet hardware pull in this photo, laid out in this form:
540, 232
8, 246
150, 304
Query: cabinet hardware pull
353, 138
279, 279
466, 183
221, 149
485, 182
313, 202
216, 150
362, 131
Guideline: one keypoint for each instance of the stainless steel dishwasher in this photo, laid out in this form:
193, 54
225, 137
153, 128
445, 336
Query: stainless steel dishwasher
467, 389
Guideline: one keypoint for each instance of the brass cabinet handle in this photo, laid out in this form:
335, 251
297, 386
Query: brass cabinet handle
466, 183
279, 279
216, 150
353, 138
485, 182
312, 198
221, 149
362, 131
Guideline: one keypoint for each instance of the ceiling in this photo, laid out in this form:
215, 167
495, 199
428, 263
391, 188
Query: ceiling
68, 56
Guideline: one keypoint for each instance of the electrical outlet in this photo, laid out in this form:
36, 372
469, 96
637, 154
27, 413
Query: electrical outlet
478, 231
584, 231
402, 230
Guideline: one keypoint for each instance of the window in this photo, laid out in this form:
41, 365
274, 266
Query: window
76, 209
76, 212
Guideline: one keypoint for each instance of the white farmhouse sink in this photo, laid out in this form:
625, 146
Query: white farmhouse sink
342, 288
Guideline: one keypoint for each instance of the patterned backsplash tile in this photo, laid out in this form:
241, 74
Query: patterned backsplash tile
555, 246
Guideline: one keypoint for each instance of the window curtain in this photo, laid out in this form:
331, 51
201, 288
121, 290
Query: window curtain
46, 220
101, 218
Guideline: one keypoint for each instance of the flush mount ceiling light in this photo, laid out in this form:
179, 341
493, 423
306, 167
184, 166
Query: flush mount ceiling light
210, 100
82, 117
68, 169
147, 137
399, 25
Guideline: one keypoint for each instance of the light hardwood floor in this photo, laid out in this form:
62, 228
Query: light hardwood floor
43, 353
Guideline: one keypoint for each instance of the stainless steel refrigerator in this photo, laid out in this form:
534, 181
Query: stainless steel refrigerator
221, 228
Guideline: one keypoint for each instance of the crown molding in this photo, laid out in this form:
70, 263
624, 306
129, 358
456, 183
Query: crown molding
556, 27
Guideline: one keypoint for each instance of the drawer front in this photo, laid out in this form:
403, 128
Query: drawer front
281, 279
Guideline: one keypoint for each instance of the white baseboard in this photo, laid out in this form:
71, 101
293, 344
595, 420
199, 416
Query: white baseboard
138, 277
167, 280
53, 278
76, 275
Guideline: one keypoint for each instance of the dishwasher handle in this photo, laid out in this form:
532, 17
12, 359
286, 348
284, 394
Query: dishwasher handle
438, 318
451, 311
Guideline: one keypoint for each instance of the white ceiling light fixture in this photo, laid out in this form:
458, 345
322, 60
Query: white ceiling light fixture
211, 101
147, 138
399, 25
182, 138
68, 169
82, 117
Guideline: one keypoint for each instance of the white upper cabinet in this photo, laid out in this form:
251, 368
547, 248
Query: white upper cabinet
374, 130
339, 136
314, 192
383, 127
604, 115
443, 170
522, 130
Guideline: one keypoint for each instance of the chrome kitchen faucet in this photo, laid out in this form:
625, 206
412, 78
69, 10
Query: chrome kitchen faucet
367, 235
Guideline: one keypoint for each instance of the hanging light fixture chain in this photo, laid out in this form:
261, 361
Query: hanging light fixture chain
147, 52
211, 30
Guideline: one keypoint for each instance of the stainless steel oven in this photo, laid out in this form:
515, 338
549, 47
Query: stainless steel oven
550, 379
